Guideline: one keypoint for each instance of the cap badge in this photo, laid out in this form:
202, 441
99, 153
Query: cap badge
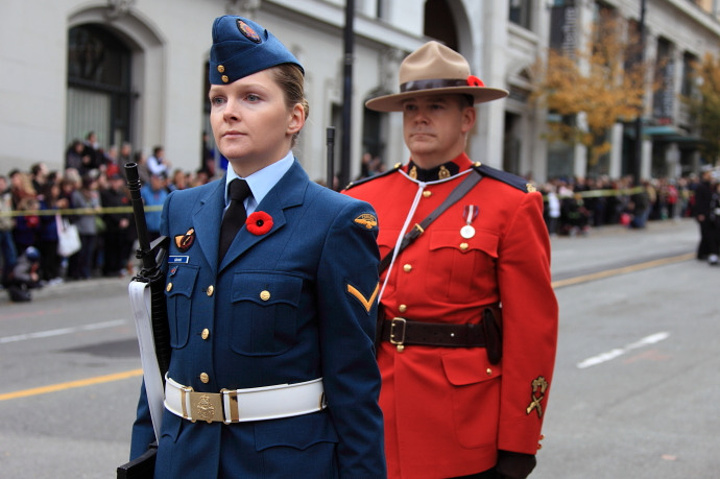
184, 242
248, 32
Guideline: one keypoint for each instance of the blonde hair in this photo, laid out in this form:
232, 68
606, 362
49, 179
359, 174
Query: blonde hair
292, 81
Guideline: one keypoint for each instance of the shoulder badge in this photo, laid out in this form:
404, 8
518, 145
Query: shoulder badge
508, 178
367, 220
394, 169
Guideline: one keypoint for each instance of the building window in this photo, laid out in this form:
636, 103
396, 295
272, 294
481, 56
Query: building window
520, 13
664, 98
98, 96
688, 82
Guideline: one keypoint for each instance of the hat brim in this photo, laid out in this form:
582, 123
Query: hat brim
394, 102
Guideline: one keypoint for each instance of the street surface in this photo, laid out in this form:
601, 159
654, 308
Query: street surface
635, 393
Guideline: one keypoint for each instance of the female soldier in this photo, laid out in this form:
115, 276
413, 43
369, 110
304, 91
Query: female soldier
272, 372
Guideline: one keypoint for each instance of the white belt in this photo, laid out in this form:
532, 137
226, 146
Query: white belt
243, 405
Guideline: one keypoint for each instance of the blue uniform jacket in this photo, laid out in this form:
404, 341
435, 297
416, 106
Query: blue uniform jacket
319, 262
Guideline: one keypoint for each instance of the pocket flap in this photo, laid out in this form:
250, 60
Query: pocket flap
299, 432
267, 288
483, 240
181, 280
468, 367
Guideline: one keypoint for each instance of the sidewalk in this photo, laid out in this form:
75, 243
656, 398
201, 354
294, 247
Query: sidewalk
602, 248
616, 245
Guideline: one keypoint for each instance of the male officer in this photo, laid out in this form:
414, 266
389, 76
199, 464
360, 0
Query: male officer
272, 372
469, 330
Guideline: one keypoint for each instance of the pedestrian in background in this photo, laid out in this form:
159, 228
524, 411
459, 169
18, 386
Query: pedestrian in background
274, 299
7, 244
465, 381
153, 195
703, 196
85, 198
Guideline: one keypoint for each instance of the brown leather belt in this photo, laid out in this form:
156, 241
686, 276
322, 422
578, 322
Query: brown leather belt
404, 332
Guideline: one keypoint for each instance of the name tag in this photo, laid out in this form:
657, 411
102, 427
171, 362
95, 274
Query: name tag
175, 259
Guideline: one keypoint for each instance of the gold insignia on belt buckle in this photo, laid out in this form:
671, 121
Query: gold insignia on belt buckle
206, 406
367, 220
539, 386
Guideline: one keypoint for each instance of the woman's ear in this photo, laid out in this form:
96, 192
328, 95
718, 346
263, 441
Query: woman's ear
296, 120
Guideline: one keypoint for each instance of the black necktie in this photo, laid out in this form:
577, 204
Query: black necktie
235, 215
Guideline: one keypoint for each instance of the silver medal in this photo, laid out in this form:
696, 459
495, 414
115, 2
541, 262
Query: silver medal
467, 231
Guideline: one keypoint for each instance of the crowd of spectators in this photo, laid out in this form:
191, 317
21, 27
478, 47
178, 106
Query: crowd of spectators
573, 206
91, 193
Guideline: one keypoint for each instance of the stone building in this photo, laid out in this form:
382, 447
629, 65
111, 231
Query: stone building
136, 70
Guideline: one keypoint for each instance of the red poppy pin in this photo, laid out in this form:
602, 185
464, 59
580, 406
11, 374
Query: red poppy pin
472, 80
259, 223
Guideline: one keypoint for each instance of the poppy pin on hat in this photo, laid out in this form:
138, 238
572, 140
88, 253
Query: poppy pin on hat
434, 69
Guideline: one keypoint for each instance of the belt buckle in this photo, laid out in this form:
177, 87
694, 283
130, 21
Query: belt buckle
393, 336
206, 407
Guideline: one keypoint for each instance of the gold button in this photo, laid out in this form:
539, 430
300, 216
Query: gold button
265, 295
224, 78
205, 333
477, 164
169, 287
204, 378
464, 246
489, 371
407, 268
402, 308
221, 68
210, 290
427, 194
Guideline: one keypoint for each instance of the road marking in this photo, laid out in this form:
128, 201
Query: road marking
614, 353
61, 331
71, 384
595, 360
625, 269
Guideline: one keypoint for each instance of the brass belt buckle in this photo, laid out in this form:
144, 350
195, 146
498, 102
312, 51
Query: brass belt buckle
398, 338
206, 407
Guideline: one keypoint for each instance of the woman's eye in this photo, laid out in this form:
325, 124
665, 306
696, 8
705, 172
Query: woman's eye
217, 100
252, 97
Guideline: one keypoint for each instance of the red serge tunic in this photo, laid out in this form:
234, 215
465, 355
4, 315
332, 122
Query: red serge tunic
448, 411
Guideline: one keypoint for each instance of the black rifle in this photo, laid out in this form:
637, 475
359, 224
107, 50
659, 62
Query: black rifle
152, 256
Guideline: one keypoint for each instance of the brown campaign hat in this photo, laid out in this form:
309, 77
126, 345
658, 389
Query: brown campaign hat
434, 69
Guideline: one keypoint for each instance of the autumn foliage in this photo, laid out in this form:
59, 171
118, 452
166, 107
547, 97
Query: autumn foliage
603, 81
704, 105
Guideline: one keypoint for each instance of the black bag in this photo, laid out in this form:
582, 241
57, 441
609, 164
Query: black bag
19, 294
142, 467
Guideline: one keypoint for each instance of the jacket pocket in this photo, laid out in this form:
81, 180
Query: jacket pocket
475, 385
264, 313
179, 289
301, 446
460, 266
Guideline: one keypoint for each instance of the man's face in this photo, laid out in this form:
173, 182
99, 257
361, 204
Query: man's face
435, 128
